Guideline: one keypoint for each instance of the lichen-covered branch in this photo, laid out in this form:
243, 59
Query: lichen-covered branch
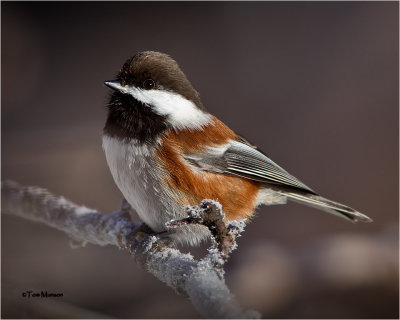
199, 280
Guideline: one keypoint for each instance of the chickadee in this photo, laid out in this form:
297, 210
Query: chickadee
166, 151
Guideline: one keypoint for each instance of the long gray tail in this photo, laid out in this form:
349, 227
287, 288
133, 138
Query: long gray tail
327, 205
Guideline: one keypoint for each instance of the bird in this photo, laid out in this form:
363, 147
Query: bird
166, 151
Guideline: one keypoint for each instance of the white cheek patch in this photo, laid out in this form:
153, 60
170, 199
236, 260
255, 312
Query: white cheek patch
181, 113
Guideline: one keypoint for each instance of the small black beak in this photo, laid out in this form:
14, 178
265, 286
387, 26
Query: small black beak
113, 84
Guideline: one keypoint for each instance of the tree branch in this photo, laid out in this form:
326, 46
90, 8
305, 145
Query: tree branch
200, 280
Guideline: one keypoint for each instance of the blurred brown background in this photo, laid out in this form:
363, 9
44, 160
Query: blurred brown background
313, 84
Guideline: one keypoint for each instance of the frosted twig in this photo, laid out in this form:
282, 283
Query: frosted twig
223, 233
201, 282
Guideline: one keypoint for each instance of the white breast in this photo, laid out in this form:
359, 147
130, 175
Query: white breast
138, 176
134, 171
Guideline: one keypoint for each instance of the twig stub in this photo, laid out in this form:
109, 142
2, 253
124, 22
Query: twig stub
223, 232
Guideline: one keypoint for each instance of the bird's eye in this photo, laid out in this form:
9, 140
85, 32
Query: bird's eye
148, 84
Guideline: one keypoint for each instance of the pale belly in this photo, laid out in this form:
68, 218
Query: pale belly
139, 179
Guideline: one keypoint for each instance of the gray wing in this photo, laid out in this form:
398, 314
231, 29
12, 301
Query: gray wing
240, 158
